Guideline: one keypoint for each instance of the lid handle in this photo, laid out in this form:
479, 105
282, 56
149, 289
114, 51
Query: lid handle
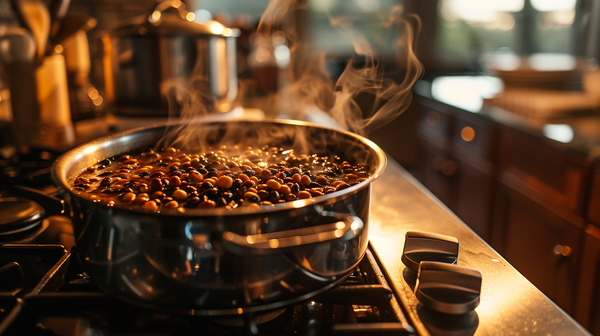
156, 15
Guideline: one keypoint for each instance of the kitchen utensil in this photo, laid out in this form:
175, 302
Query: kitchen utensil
165, 55
204, 261
71, 24
18, 14
37, 18
40, 103
58, 10
17, 45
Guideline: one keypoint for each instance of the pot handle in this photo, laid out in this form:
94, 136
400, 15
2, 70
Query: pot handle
345, 228
156, 14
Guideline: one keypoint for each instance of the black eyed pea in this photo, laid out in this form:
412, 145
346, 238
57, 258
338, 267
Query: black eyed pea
143, 188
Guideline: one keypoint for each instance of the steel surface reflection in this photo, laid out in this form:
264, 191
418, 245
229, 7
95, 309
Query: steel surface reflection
509, 303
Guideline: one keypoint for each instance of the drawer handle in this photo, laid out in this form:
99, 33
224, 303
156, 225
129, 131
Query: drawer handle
561, 254
449, 168
432, 119
446, 167
467, 133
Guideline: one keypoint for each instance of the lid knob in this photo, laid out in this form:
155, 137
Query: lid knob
426, 246
448, 289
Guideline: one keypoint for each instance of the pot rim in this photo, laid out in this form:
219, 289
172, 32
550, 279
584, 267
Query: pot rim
60, 178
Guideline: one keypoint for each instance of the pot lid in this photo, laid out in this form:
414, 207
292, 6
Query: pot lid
170, 18
19, 214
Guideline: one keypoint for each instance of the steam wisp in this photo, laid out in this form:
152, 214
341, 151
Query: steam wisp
310, 84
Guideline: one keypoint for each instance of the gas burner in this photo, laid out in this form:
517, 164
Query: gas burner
28, 166
29, 216
20, 220
363, 304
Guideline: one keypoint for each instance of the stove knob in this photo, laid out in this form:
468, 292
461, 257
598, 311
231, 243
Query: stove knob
448, 289
426, 246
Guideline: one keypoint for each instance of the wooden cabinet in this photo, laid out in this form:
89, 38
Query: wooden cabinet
474, 196
436, 171
594, 203
528, 196
456, 163
542, 244
587, 310
558, 175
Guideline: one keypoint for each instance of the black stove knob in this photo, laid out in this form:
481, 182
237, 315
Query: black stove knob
448, 289
426, 246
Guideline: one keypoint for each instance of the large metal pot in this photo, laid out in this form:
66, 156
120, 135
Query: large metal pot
219, 261
164, 56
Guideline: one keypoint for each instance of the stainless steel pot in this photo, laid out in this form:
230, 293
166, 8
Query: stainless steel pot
166, 56
219, 261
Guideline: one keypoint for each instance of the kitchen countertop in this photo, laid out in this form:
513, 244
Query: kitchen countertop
510, 304
574, 131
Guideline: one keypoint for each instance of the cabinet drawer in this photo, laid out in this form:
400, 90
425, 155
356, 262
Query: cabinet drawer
561, 178
434, 125
594, 205
473, 138
436, 171
474, 190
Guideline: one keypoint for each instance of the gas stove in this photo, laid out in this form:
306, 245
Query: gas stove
44, 291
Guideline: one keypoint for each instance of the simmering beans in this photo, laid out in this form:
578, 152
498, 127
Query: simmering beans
226, 178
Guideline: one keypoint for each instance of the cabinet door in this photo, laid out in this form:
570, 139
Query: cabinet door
474, 190
587, 310
540, 244
594, 204
436, 171
558, 175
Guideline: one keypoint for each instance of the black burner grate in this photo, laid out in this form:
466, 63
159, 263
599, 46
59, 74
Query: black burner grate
66, 302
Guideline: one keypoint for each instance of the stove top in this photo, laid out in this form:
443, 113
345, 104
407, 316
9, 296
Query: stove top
44, 292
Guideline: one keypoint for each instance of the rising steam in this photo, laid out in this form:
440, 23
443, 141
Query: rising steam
310, 85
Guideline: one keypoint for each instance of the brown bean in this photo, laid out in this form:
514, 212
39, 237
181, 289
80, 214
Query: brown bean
224, 182
305, 180
275, 185
156, 174
150, 206
156, 184
304, 194
180, 195
322, 180
143, 188
128, 197
174, 181
207, 204
265, 174
342, 185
